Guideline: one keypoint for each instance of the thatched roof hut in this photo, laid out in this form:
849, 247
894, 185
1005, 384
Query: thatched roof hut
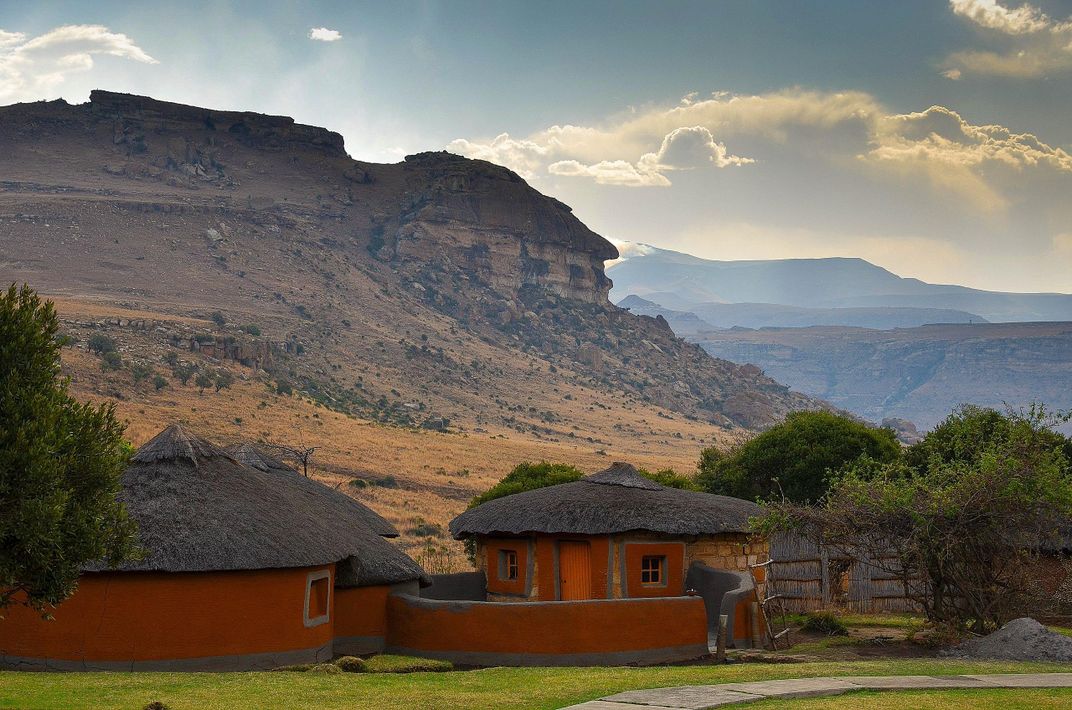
199, 509
613, 501
259, 458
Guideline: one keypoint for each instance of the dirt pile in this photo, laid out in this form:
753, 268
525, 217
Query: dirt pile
1019, 640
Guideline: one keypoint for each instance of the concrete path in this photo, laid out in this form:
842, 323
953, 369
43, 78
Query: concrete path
701, 697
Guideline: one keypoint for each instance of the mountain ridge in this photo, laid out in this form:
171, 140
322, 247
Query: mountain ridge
684, 282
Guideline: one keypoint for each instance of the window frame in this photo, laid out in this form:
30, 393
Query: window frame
509, 561
660, 569
311, 579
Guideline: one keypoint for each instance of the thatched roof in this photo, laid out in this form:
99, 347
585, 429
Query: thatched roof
256, 457
198, 509
616, 500
259, 459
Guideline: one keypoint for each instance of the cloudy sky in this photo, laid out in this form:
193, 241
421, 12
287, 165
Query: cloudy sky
933, 138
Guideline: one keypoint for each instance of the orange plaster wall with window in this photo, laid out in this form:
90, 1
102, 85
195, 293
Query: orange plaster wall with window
141, 616
674, 569
492, 549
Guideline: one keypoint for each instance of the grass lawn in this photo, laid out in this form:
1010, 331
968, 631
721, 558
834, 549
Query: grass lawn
1019, 699
488, 688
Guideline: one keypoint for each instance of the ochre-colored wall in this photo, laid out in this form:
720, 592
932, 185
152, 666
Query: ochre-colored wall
361, 611
141, 616
490, 556
674, 585
534, 628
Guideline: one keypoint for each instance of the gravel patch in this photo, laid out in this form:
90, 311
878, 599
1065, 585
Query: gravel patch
1019, 640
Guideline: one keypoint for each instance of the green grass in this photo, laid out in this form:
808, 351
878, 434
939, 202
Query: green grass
490, 688
1019, 699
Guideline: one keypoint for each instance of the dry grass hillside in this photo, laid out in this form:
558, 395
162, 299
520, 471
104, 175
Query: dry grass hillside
426, 319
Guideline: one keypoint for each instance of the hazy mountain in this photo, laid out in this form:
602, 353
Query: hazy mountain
918, 374
714, 316
684, 282
438, 287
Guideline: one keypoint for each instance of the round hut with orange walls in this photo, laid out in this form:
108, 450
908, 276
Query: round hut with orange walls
242, 568
617, 535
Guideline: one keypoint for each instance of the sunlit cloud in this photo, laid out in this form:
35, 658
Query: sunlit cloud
1032, 44
33, 68
843, 128
323, 34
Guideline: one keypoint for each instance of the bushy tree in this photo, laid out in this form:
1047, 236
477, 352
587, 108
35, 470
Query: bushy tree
223, 379
184, 371
529, 476
204, 381
670, 478
60, 465
100, 343
961, 519
794, 459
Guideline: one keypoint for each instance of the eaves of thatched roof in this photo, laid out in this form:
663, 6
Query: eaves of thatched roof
198, 509
616, 500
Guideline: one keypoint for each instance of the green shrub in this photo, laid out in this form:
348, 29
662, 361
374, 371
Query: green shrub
100, 343
351, 664
111, 361
824, 622
388, 663
251, 329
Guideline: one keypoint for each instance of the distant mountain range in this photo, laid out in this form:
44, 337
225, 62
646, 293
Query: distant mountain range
716, 316
858, 336
805, 292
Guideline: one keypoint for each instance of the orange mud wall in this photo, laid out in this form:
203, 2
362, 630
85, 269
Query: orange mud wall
549, 633
206, 620
360, 619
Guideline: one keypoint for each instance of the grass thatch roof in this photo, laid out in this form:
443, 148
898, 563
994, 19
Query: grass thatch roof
259, 459
198, 509
616, 500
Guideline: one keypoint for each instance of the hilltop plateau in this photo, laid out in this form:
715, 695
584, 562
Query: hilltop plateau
435, 314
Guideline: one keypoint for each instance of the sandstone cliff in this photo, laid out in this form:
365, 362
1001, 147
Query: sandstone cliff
437, 286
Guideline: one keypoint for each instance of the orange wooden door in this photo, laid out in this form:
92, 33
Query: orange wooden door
574, 571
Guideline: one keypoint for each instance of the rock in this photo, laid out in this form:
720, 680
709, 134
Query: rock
1021, 639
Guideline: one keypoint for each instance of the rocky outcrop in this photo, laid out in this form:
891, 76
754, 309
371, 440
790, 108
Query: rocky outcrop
485, 221
135, 116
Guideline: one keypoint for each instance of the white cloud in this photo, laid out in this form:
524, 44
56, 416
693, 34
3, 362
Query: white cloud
1024, 19
32, 69
1033, 43
838, 128
323, 34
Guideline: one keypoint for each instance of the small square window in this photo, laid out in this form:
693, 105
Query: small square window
653, 570
317, 598
508, 568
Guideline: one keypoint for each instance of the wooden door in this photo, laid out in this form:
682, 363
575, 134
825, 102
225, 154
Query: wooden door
574, 571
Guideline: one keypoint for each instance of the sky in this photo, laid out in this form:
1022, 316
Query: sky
931, 137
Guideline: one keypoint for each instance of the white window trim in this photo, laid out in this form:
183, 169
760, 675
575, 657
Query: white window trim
309, 579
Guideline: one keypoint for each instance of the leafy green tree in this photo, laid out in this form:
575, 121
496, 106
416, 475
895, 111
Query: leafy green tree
219, 319
140, 371
159, 382
60, 465
251, 329
223, 379
969, 432
204, 381
529, 476
184, 371
111, 361
100, 343
794, 459
963, 532
670, 478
